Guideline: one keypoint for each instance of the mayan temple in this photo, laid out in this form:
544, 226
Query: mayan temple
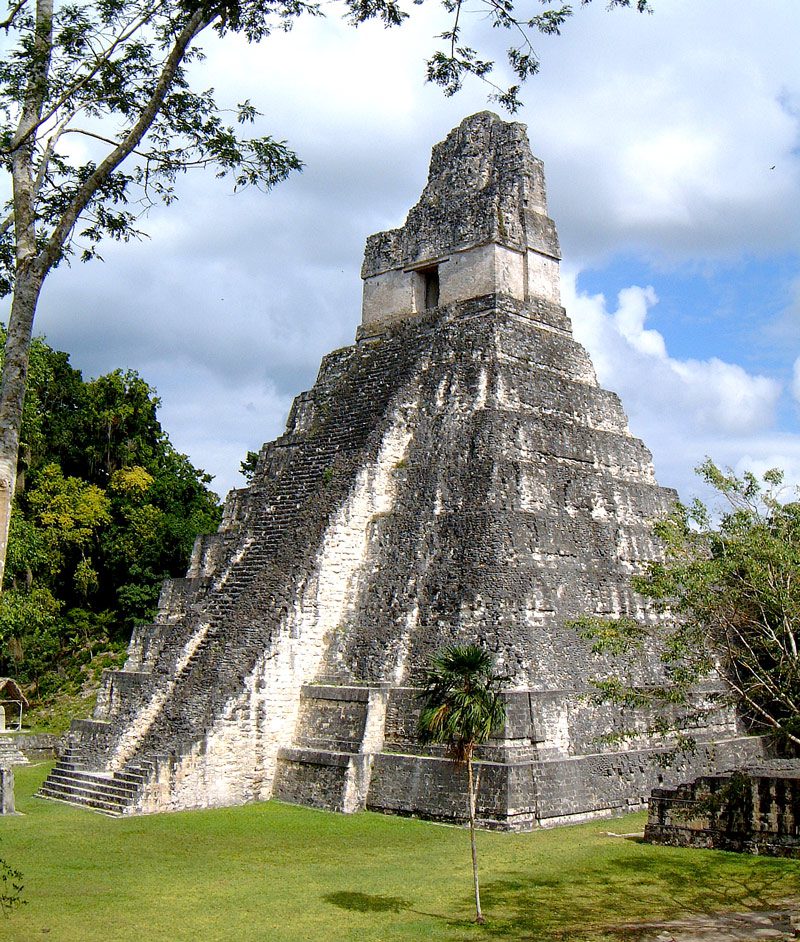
456, 475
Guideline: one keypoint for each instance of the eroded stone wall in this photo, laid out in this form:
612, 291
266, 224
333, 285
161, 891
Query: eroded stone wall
456, 475
755, 812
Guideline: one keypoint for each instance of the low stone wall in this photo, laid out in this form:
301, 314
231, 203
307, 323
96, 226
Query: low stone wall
316, 779
433, 787
39, 745
754, 812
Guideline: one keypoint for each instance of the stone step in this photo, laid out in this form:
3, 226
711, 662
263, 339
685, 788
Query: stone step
69, 791
100, 784
306, 756
71, 753
72, 765
109, 793
136, 771
297, 495
327, 744
10, 754
88, 800
103, 785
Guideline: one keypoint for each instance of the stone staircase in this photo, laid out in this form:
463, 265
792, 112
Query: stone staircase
278, 524
112, 794
10, 754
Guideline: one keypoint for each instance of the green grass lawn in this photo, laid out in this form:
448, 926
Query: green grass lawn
277, 872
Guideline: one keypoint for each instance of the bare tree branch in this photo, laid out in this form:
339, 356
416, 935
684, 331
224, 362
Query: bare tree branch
8, 22
198, 21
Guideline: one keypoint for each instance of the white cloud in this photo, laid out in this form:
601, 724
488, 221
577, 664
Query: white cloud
684, 409
658, 134
629, 320
796, 380
665, 135
217, 422
627, 355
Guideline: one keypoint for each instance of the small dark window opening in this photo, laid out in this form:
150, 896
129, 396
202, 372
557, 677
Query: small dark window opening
431, 280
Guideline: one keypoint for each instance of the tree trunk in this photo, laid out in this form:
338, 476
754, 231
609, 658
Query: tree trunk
478, 913
32, 262
28, 270
12, 394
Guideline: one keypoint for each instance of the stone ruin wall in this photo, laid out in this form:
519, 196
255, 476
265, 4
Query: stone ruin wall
499, 239
455, 475
755, 812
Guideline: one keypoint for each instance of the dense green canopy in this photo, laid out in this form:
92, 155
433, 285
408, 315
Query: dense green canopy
728, 593
105, 510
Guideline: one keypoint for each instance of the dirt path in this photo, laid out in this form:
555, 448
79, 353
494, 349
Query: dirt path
778, 924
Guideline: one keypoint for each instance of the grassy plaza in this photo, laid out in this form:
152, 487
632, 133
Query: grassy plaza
278, 872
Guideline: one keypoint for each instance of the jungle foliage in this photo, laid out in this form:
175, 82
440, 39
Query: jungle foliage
728, 593
11, 888
99, 117
105, 510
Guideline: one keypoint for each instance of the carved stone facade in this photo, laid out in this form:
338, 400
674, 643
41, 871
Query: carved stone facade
481, 227
457, 475
754, 812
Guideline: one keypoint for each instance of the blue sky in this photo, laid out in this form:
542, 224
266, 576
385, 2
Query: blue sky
670, 145
734, 308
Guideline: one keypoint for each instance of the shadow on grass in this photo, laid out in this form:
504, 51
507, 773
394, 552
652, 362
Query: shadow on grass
606, 901
367, 902
376, 903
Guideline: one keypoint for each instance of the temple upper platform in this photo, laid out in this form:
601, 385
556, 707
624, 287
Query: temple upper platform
480, 227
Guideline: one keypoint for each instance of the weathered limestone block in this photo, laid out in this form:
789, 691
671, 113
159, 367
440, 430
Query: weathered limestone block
755, 811
7, 805
456, 475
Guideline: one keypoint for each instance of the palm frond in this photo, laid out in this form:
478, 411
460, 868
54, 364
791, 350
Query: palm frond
462, 705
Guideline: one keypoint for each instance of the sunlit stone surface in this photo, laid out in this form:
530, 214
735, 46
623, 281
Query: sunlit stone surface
455, 475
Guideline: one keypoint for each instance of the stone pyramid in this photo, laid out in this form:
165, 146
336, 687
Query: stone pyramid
457, 475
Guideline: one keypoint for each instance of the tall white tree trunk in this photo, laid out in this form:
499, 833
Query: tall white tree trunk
12, 395
478, 912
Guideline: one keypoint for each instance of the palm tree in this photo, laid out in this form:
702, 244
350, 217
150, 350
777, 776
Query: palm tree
462, 707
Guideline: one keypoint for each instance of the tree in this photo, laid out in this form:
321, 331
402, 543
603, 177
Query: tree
728, 593
462, 706
10, 888
107, 510
111, 76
